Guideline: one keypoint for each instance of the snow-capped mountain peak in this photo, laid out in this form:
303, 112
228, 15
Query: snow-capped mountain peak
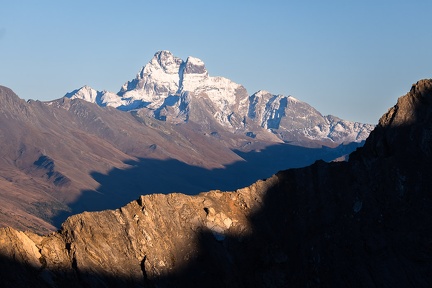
101, 98
85, 93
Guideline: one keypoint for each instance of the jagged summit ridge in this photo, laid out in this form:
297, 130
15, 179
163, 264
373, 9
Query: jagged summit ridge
170, 89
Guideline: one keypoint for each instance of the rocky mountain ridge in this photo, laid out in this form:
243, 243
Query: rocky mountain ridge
361, 223
177, 91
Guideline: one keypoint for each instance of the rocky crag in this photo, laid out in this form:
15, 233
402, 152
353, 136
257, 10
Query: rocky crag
361, 223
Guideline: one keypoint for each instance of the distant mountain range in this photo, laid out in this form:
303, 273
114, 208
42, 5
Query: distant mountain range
177, 91
171, 129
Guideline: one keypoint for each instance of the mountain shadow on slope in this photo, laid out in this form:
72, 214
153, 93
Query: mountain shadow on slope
147, 176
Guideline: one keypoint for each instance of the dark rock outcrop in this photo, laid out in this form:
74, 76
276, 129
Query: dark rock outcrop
361, 223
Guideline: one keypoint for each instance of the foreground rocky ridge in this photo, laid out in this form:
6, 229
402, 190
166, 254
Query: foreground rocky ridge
361, 223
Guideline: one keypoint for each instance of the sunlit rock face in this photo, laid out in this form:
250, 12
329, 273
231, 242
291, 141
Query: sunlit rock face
361, 223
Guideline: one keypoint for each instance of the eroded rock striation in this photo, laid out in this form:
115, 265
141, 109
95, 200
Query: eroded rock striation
361, 223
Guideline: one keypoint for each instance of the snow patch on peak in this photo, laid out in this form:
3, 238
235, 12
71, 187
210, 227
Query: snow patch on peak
346, 131
163, 53
194, 61
261, 93
267, 109
194, 66
104, 98
85, 93
111, 99
292, 99
164, 60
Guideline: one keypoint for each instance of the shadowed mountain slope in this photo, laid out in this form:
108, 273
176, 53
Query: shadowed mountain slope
55, 155
147, 176
361, 223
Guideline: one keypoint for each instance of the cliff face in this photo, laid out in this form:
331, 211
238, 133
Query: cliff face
361, 223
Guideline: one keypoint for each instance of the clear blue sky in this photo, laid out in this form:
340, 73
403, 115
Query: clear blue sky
348, 58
